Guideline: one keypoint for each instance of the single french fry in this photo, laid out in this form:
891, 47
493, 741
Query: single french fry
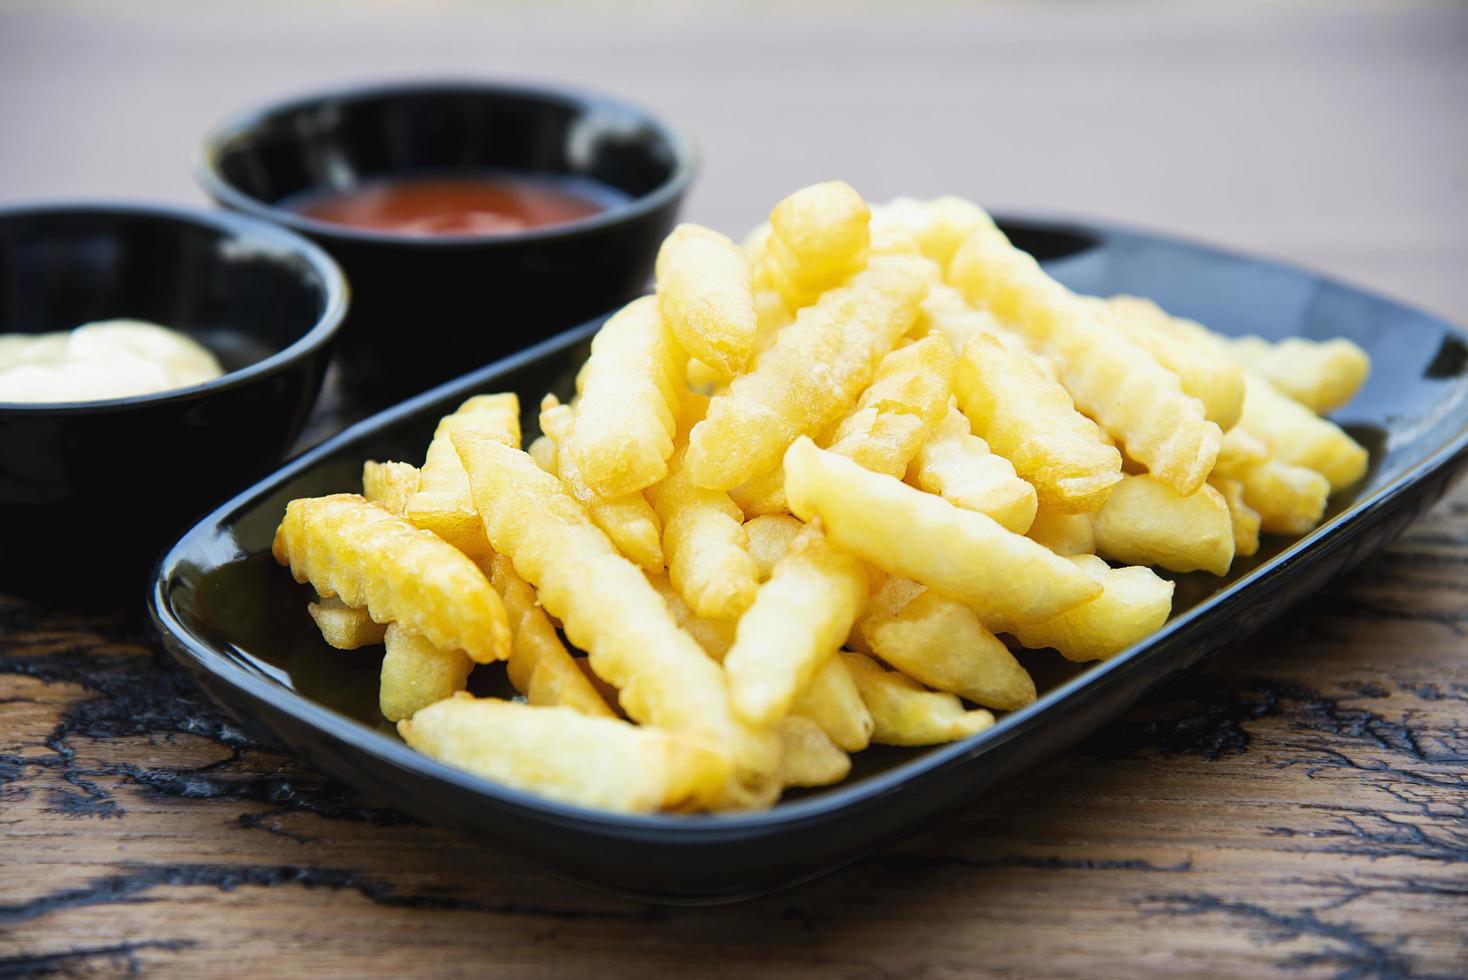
349, 548
957, 552
808, 757
831, 700
716, 636
559, 753
607, 608
622, 433
1031, 421
769, 538
1322, 375
937, 227
705, 290
1290, 499
816, 369
762, 495
540, 667
441, 503
1217, 383
415, 674
816, 238
1133, 605
542, 449
345, 627
1065, 534
1299, 436
799, 617
1119, 384
704, 543
904, 713
940, 642
389, 485
1146, 522
1245, 519
628, 519
958, 466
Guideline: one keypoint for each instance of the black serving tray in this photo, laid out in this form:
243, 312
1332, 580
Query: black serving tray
238, 621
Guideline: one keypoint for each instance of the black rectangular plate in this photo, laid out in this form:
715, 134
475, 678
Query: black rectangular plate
238, 621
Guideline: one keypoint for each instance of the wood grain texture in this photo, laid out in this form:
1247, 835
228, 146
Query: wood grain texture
1299, 808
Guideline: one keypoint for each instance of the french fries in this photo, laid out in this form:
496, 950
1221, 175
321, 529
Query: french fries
1146, 522
816, 369
904, 713
608, 609
622, 433
415, 673
800, 616
357, 551
345, 627
957, 465
566, 755
903, 531
796, 499
706, 294
1031, 420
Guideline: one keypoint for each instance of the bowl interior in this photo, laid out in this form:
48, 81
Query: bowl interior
336, 141
244, 295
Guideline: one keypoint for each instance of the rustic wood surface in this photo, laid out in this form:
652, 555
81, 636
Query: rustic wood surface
1298, 808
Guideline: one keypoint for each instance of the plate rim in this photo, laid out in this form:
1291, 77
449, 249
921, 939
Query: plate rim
674, 829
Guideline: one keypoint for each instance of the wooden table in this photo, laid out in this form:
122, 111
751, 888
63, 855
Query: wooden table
1299, 808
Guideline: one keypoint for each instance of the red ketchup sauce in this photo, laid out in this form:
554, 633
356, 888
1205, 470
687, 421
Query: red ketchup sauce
457, 205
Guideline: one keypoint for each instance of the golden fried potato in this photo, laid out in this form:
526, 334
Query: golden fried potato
905, 402
564, 755
540, 666
607, 608
345, 627
415, 674
542, 449
940, 642
959, 553
1065, 534
705, 290
389, 485
905, 713
1135, 604
1245, 519
716, 636
808, 757
705, 544
1217, 382
1322, 375
770, 536
1241, 448
816, 238
937, 227
1300, 437
1289, 499
441, 503
628, 519
762, 495
831, 700
1122, 386
799, 618
958, 466
1031, 421
813, 373
1146, 522
622, 433
349, 548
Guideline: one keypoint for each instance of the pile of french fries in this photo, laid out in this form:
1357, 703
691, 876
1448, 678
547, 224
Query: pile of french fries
797, 499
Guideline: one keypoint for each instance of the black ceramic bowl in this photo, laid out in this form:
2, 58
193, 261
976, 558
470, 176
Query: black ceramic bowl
90, 492
429, 308
237, 620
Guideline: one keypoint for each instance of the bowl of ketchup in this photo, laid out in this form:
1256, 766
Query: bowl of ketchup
472, 219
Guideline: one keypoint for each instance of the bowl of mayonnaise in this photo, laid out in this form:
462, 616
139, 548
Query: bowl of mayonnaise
152, 361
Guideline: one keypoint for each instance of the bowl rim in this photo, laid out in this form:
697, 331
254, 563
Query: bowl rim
207, 154
185, 644
320, 333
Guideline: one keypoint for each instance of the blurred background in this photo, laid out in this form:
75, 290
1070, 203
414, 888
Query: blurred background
1331, 134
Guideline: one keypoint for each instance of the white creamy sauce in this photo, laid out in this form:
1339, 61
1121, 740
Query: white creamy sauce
107, 359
